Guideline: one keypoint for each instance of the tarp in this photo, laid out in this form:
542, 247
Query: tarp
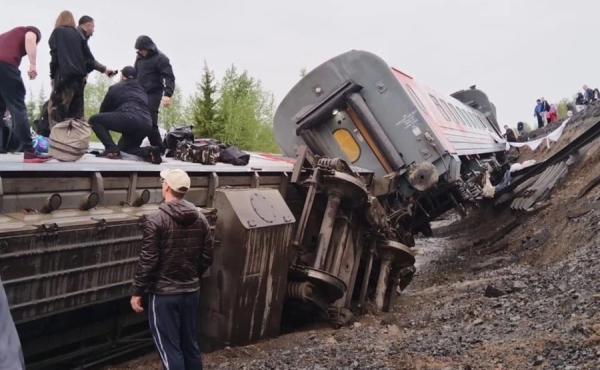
534, 144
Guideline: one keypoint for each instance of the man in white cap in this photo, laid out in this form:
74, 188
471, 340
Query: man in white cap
177, 249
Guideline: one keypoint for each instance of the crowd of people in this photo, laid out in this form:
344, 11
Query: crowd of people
131, 106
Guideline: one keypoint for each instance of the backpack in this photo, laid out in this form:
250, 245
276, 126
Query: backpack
69, 140
175, 135
9, 142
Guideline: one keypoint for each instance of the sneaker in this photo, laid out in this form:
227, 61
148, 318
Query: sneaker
155, 155
33, 156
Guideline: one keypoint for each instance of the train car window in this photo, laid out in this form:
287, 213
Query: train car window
440, 108
455, 110
475, 121
464, 117
482, 123
470, 119
470, 116
449, 111
348, 144
415, 98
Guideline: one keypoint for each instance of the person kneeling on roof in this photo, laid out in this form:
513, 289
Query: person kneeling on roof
125, 110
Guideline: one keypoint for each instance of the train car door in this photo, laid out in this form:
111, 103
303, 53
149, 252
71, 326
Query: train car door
345, 138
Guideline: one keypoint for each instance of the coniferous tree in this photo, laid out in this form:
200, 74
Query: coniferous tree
204, 105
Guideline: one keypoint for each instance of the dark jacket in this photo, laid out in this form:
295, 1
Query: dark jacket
155, 73
127, 96
589, 95
94, 65
177, 249
11, 355
69, 54
546, 106
510, 136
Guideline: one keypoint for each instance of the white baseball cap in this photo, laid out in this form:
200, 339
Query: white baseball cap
177, 179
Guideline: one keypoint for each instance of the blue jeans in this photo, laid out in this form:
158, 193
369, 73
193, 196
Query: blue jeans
12, 96
173, 325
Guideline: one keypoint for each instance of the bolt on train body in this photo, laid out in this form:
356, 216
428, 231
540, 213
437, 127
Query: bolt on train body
370, 158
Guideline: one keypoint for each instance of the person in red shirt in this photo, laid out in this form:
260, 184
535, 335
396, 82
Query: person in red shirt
14, 45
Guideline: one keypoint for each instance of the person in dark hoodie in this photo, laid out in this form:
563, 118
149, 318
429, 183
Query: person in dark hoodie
177, 249
14, 45
125, 110
155, 74
70, 55
87, 27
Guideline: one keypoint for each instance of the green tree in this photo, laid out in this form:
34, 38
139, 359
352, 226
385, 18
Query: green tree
203, 104
303, 72
31, 106
562, 108
244, 112
175, 113
95, 91
41, 100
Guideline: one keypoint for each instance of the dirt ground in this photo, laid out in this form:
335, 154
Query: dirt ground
472, 305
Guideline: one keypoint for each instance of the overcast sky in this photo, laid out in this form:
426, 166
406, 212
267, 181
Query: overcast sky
514, 50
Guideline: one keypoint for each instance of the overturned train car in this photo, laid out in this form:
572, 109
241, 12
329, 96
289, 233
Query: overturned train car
429, 150
371, 157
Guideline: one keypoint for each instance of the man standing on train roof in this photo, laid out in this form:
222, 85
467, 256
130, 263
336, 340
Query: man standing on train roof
86, 27
177, 249
14, 45
155, 74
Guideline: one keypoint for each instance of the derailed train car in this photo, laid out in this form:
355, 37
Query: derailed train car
430, 149
372, 157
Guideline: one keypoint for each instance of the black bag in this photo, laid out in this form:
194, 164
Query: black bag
175, 135
197, 153
42, 125
9, 142
234, 156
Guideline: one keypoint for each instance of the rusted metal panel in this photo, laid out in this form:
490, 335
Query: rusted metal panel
242, 298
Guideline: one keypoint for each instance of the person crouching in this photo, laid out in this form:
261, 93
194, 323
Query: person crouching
125, 110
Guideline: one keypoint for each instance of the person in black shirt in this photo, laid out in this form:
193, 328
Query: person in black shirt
87, 27
125, 110
70, 55
155, 75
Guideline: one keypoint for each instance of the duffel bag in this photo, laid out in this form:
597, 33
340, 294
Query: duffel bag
205, 153
69, 140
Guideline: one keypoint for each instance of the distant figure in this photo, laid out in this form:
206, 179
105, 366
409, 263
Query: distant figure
553, 113
177, 249
510, 136
539, 111
14, 45
545, 111
579, 102
125, 110
11, 355
155, 74
588, 95
70, 55
521, 128
87, 27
